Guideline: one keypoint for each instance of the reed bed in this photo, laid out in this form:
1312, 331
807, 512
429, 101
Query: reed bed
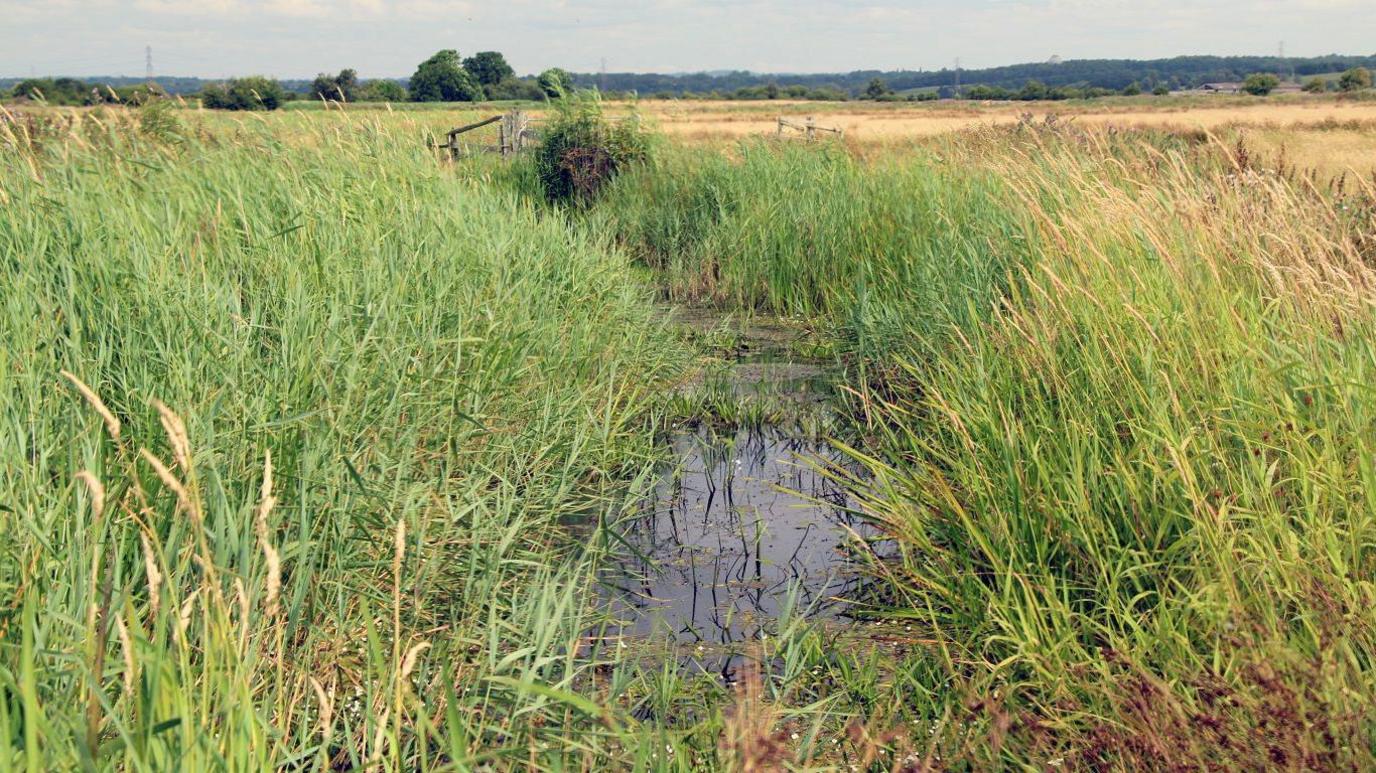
292, 418
309, 442
1113, 395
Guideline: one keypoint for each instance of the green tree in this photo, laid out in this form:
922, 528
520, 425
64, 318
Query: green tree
1033, 90
1132, 89
252, 93
340, 88
1316, 86
442, 78
1259, 84
516, 88
488, 68
381, 90
877, 89
555, 82
61, 91
1356, 79
983, 92
32, 88
1161, 90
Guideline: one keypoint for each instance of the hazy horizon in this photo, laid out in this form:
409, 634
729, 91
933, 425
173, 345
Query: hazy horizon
386, 38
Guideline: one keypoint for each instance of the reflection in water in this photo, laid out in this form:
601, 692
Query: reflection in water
741, 530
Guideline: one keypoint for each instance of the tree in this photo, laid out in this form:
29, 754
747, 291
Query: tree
381, 91
61, 91
341, 87
1161, 90
555, 82
981, 93
32, 88
252, 93
877, 89
1259, 84
488, 68
1356, 79
516, 88
1132, 89
1033, 90
441, 78
1315, 86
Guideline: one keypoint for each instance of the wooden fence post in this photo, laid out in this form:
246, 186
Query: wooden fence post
513, 131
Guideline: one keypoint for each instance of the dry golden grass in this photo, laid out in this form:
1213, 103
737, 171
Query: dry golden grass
709, 120
1330, 136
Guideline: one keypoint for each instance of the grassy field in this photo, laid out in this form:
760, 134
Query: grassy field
298, 422
1329, 136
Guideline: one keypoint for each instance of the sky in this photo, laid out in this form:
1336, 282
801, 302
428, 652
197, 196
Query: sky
387, 38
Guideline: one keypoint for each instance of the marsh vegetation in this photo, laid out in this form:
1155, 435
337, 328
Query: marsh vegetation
318, 453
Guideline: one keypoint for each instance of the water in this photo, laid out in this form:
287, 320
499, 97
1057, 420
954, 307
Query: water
744, 526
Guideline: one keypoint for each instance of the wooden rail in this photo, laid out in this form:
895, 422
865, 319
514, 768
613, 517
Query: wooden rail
808, 127
513, 135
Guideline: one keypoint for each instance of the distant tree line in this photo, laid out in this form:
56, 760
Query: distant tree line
75, 92
448, 77
444, 77
1110, 75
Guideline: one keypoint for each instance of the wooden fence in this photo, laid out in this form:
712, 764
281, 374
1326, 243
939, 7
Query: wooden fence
808, 128
514, 135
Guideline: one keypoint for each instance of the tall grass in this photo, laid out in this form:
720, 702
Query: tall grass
1141, 493
805, 230
298, 502
293, 416
1117, 417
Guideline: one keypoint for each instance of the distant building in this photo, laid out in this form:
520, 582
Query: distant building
1236, 88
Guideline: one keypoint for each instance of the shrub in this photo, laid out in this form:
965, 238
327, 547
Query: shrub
1356, 79
158, 121
1259, 84
555, 82
339, 88
62, 91
382, 91
1032, 91
582, 150
1315, 86
877, 89
251, 93
516, 88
